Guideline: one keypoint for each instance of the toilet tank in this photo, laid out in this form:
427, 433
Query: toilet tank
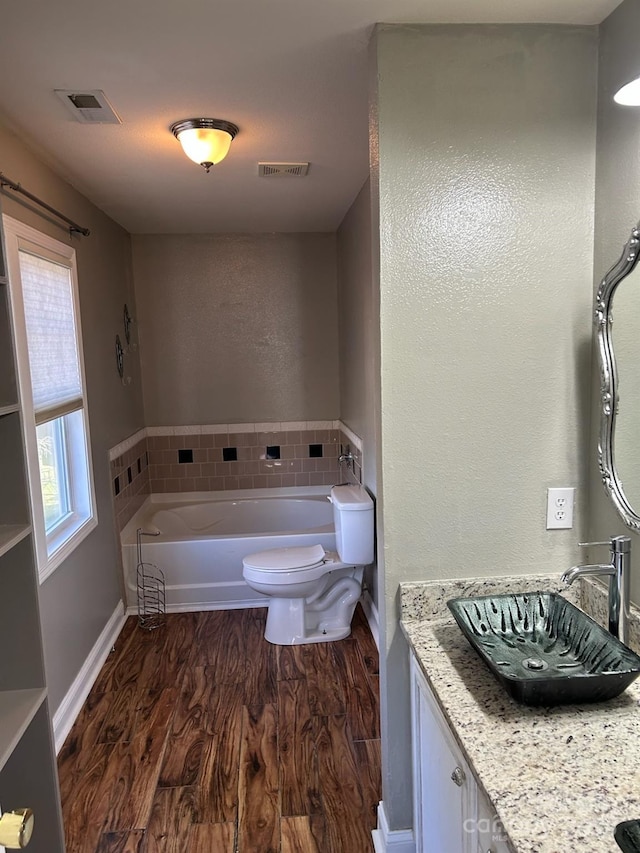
353, 519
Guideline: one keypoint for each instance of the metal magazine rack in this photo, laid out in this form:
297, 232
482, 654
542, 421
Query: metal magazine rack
151, 589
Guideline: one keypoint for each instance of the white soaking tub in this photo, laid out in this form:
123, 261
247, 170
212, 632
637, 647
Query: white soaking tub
204, 536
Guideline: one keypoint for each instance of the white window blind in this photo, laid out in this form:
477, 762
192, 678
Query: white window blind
51, 335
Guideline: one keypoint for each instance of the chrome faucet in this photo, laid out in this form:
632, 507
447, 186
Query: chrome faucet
619, 572
346, 458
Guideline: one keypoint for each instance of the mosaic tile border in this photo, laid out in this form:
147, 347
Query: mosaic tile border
223, 461
224, 457
214, 429
130, 481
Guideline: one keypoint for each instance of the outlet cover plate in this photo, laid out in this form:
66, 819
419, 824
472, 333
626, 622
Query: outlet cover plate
560, 508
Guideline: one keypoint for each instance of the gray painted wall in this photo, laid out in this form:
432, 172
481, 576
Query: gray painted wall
358, 324
617, 211
237, 328
77, 600
486, 139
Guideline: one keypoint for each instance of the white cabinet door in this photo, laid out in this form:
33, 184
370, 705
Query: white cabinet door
444, 789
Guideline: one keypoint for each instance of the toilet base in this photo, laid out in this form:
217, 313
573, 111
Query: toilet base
317, 619
286, 634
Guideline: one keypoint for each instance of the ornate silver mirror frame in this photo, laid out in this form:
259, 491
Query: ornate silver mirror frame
609, 399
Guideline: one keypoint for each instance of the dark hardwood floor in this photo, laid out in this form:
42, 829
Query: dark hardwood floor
201, 737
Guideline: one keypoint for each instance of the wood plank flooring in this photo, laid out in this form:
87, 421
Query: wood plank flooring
201, 737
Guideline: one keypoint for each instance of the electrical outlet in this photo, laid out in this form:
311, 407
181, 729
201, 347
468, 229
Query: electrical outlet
560, 508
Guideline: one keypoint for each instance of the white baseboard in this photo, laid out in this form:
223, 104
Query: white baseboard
371, 612
387, 840
75, 698
200, 606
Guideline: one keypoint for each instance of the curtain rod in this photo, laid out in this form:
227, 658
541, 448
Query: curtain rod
73, 226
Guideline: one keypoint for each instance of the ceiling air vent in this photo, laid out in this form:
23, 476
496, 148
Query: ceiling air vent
268, 170
89, 106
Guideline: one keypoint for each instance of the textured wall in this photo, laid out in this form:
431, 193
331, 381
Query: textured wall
79, 597
486, 141
617, 211
237, 328
358, 326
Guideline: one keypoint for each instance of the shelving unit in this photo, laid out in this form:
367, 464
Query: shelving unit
11, 534
28, 776
17, 710
8, 384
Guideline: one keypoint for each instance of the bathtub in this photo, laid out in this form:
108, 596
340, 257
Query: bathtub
203, 538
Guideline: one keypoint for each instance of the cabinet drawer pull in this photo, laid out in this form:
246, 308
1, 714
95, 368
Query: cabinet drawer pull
458, 776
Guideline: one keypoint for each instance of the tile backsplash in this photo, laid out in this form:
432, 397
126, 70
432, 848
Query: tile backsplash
130, 481
229, 456
242, 460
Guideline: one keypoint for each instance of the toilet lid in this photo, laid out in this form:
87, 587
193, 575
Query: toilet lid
285, 559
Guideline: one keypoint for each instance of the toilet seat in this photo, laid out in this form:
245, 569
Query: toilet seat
286, 559
281, 566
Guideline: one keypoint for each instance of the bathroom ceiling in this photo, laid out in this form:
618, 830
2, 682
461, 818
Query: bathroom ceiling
292, 74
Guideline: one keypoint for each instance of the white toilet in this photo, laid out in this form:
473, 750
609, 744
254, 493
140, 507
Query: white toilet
314, 592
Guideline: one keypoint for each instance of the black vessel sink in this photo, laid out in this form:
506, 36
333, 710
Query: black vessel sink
627, 836
544, 650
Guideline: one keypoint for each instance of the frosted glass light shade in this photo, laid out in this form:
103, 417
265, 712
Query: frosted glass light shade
205, 146
629, 94
205, 140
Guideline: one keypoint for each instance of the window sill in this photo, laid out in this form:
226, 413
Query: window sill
67, 544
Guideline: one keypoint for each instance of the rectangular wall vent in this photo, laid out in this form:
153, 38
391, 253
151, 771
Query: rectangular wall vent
268, 170
89, 106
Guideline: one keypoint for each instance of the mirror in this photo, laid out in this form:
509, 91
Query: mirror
619, 350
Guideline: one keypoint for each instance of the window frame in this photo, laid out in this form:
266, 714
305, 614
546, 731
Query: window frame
54, 546
60, 460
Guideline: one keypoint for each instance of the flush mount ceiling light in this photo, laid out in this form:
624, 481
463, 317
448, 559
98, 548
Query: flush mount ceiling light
629, 94
205, 140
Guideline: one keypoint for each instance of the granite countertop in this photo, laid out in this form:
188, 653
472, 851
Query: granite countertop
559, 778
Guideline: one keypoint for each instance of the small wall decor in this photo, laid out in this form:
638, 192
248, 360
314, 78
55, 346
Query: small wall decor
119, 357
127, 324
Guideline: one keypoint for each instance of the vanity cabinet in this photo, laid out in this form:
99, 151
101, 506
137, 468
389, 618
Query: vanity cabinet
450, 811
28, 776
